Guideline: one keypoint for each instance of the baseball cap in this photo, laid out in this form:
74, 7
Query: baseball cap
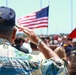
7, 16
74, 40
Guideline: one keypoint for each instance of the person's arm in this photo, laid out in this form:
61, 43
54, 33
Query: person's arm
48, 52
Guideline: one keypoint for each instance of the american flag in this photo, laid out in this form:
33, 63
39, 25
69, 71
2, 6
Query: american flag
34, 20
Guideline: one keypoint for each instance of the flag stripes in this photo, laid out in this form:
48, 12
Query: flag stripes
31, 21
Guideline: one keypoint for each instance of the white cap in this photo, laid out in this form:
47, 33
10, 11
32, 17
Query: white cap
74, 40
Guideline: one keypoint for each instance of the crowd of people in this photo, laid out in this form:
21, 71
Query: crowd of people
59, 52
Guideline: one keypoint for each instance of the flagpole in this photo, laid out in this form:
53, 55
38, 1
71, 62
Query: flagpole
6, 3
71, 15
40, 8
48, 16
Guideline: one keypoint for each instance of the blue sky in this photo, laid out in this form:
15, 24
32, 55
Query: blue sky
62, 13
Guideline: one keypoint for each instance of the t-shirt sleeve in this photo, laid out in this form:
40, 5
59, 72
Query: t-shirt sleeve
53, 66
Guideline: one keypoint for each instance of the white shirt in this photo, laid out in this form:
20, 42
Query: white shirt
27, 45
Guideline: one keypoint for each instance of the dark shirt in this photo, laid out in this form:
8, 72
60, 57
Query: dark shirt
68, 49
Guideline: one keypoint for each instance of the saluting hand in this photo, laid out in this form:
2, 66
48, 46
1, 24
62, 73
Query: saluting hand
30, 34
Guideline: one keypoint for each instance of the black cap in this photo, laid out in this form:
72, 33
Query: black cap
7, 16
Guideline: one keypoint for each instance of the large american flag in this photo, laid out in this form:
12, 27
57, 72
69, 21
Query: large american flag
37, 19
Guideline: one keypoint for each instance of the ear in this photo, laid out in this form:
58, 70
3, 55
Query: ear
14, 34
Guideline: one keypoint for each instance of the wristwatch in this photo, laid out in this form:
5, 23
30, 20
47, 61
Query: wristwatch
39, 42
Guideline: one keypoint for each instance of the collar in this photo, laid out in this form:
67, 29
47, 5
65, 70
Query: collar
4, 41
5, 48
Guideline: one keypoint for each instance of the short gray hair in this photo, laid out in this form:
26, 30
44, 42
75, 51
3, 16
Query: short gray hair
6, 30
